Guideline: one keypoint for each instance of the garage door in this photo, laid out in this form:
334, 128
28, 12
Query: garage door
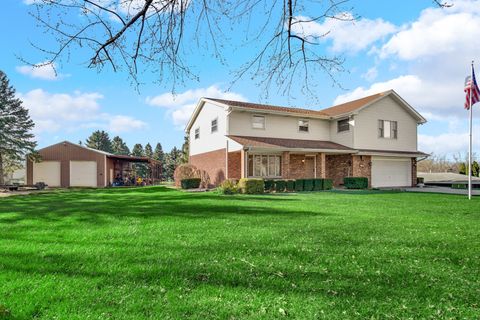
83, 173
391, 172
47, 172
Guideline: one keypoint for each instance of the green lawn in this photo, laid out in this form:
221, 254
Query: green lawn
156, 253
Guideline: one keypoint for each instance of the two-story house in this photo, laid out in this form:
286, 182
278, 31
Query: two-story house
374, 137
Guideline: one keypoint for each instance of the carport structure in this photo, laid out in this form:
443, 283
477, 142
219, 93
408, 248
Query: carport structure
66, 164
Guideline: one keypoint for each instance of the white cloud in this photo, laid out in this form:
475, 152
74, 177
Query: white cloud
350, 36
119, 124
56, 112
42, 70
371, 74
180, 106
449, 143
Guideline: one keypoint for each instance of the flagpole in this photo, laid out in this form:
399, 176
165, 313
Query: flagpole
470, 141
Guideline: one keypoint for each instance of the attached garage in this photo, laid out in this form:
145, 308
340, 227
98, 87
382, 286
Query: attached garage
391, 172
83, 173
47, 172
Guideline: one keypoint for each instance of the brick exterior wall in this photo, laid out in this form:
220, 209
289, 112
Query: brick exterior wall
286, 165
338, 167
362, 167
297, 166
414, 172
213, 163
235, 165
321, 165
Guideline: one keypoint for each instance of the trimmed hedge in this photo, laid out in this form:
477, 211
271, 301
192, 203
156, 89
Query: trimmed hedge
299, 185
269, 184
459, 186
355, 182
280, 185
228, 186
251, 186
190, 183
327, 184
317, 184
308, 185
290, 184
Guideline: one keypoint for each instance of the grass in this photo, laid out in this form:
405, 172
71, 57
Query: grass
156, 253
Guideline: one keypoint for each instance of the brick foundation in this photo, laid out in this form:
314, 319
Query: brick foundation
213, 163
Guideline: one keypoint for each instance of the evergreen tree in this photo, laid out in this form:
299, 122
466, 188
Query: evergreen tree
160, 156
475, 169
119, 146
148, 151
462, 169
172, 160
185, 149
16, 139
140, 169
99, 140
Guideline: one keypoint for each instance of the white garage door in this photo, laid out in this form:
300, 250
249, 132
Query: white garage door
47, 172
83, 173
391, 172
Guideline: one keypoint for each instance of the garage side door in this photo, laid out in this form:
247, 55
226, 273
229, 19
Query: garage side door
47, 172
391, 172
83, 173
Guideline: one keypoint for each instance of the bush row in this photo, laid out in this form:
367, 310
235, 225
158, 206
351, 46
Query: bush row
255, 186
355, 182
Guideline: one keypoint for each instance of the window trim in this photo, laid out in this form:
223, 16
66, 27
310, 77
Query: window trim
393, 129
216, 125
264, 121
261, 155
338, 126
308, 125
195, 133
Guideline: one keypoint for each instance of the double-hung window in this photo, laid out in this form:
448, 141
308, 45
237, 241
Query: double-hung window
197, 133
214, 127
343, 125
303, 125
258, 122
387, 129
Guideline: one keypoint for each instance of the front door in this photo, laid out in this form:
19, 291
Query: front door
309, 167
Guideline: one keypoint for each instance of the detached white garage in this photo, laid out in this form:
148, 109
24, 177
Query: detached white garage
391, 172
83, 173
47, 172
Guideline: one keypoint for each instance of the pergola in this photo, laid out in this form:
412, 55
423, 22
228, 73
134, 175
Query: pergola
122, 166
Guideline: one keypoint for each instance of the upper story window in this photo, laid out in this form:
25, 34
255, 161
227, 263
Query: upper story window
258, 122
343, 125
214, 125
303, 125
197, 133
387, 129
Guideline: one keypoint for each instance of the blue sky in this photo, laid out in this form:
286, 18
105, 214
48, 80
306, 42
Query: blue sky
421, 51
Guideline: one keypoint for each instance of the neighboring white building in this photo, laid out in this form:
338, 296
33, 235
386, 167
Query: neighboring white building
374, 137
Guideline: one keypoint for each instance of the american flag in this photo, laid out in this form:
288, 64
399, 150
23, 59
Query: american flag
471, 87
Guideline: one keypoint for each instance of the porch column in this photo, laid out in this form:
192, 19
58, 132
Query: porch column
320, 169
286, 165
243, 163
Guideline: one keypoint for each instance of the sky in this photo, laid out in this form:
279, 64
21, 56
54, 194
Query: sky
421, 51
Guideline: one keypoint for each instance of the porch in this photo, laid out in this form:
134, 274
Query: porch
123, 172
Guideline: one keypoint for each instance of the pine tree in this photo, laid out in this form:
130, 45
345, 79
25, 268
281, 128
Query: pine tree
160, 156
138, 151
475, 169
99, 140
140, 169
185, 149
172, 160
148, 151
462, 169
16, 139
119, 146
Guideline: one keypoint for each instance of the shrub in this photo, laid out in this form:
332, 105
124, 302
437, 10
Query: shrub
280, 185
327, 184
308, 185
228, 186
355, 182
191, 183
251, 186
459, 186
204, 178
317, 184
290, 185
299, 185
269, 184
184, 171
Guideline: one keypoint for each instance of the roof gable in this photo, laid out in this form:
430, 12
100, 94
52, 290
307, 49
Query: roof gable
77, 146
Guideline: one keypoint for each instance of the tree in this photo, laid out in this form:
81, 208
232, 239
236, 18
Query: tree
159, 156
16, 138
462, 168
148, 151
140, 169
99, 140
119, 146
185, 149
160, 35
172, 160
475, 169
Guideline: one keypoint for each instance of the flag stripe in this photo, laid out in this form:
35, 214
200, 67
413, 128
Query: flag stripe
471, 88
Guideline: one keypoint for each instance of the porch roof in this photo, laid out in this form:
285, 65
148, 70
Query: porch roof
131, 158
289, 144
